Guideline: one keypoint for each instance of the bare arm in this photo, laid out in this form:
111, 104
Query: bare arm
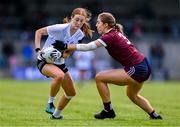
67, 53
38, 36
85, 47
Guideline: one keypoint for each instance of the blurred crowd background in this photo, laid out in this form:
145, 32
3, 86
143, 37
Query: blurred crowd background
153, 26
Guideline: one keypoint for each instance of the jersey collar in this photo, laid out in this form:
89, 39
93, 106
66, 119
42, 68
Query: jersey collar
109, 30
69, 28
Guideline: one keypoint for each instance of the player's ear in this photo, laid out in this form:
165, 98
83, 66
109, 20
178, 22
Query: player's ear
105, 24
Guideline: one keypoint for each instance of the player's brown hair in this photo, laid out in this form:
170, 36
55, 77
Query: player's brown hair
108, 18
86, 27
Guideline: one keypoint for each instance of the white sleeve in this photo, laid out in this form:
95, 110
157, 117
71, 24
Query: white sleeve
86, 47
102, 42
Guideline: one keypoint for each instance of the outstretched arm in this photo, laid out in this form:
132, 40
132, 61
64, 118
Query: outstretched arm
66, 54
84, 47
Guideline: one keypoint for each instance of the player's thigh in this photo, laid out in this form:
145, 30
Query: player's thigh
115, 76
68, 84
51, 70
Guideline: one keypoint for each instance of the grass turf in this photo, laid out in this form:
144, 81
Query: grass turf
22, 103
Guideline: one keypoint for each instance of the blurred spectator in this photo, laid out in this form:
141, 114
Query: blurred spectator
27, 53
2, 62
157, 55
175, 29
166, 30
137, 28
84, 64
8, 50
128, 25
8, 57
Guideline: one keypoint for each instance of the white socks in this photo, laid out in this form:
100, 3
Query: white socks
57, 113
51, 99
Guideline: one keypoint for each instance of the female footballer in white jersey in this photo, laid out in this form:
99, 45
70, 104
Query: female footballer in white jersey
71, 32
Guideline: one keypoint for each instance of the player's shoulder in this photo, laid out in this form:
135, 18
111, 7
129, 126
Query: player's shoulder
111, 33
108, 35
62, 26
56, 29
80, 34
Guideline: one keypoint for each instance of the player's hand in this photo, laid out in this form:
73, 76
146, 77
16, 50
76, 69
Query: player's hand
39, 53
37, 50
59, 45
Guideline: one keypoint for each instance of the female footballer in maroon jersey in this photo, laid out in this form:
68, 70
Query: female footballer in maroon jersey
136, 67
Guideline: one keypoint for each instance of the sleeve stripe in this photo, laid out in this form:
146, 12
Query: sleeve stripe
102, 42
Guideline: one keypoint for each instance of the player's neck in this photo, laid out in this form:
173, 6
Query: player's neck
72, 31
107, 30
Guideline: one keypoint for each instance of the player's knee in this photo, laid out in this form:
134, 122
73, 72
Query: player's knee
73, 93
131, 96
70, 96
59, 77
98, 77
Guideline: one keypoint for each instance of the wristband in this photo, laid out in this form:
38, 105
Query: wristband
37, 49
65, 46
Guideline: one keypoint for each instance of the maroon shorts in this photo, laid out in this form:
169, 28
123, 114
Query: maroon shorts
139, 72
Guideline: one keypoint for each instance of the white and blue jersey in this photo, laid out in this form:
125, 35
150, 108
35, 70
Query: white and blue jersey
61, 32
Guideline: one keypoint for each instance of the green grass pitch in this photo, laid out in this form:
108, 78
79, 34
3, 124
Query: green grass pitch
22, 103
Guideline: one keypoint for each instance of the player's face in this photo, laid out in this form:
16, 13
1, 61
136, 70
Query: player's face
77, 21
101, 27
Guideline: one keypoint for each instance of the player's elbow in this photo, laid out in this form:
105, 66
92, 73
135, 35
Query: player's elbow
41, 31
38, 32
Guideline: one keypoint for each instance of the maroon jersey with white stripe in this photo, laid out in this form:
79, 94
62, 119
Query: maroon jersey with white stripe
121, 49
